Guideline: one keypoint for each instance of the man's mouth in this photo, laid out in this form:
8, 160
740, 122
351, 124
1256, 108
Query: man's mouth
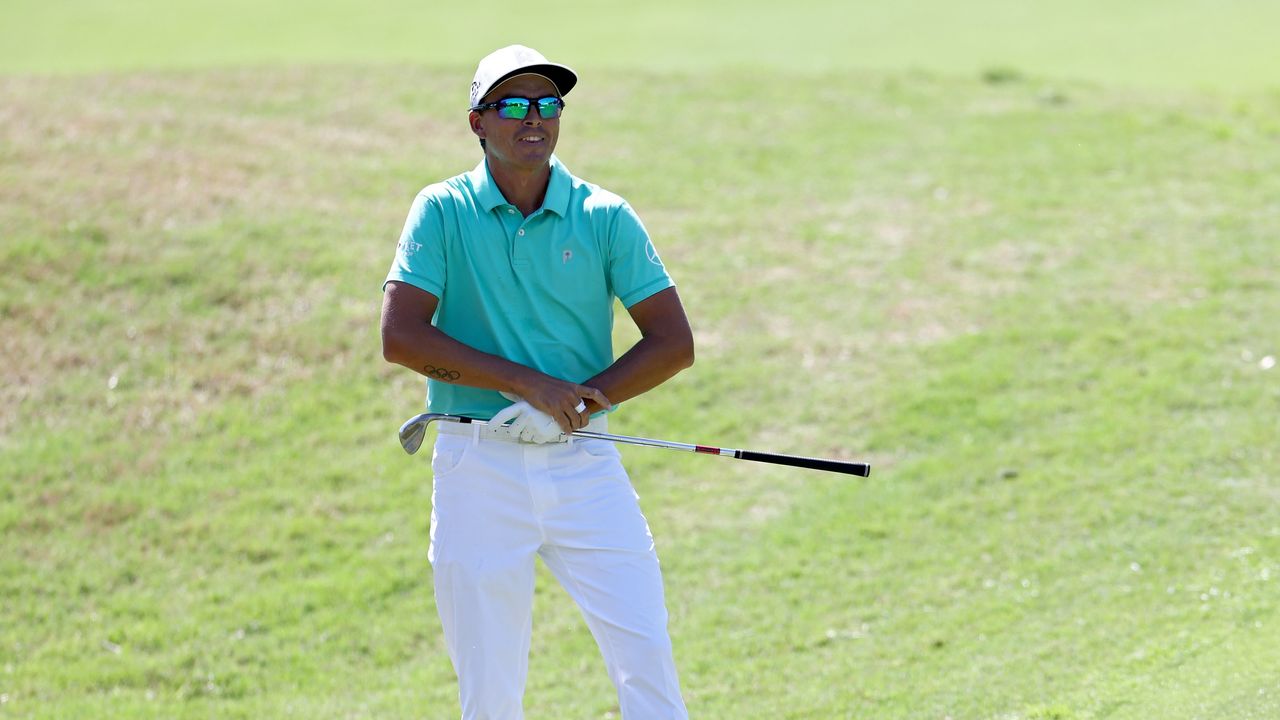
532, 139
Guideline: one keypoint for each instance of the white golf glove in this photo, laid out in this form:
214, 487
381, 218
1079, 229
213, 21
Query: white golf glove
528, 424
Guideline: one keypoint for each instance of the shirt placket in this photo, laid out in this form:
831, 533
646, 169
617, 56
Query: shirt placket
517, 227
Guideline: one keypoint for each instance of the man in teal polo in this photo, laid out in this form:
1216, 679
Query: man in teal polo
502, 294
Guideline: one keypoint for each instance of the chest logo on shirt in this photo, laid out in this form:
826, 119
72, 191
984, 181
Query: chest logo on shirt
566, 257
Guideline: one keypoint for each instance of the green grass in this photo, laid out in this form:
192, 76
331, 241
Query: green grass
1173, 43
1043, 311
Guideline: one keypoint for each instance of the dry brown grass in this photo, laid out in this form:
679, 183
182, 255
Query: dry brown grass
130, 210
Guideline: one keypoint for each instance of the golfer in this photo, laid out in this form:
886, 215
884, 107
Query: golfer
502, 294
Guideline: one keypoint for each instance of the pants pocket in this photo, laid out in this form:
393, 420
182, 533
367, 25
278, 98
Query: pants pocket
449, 452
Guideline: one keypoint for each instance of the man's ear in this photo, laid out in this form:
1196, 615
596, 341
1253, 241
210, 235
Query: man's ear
476, 126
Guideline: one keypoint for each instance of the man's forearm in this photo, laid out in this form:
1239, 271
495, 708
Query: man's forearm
430, 352
649, 363
665, 348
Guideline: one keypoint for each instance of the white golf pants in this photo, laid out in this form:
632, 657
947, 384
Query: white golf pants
495, 505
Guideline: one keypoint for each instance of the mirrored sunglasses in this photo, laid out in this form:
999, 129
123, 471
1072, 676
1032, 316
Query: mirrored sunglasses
517, 108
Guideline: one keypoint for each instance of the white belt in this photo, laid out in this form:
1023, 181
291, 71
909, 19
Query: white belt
599, 424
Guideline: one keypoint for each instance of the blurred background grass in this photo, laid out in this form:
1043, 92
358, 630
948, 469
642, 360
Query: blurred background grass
1143, 43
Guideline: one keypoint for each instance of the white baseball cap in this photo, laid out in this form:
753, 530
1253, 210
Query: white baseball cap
504, 64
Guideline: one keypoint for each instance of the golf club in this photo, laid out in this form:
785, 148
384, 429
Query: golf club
415, 429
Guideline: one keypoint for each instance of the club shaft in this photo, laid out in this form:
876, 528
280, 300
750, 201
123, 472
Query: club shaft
810, 463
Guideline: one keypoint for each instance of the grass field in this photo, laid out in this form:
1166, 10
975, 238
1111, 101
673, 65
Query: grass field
1045, 309
1226, 45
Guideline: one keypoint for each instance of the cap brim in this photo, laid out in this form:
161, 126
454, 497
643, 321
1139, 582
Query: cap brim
562, 77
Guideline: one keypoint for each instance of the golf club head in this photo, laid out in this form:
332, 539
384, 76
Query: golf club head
412, 432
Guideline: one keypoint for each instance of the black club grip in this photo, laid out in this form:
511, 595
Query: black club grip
839, 466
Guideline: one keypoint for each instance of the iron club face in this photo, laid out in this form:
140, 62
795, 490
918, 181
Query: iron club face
415, 429
412, 432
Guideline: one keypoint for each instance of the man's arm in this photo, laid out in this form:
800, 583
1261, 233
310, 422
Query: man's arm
664, 349
409, 339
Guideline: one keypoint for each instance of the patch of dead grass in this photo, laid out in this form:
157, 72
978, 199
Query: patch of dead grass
124, 176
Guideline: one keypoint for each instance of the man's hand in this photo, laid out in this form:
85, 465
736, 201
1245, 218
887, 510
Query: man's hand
569, 404
528, 423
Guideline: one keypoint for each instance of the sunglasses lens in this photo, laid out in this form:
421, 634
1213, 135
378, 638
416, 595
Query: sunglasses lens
549, 107
518, 108
513, 109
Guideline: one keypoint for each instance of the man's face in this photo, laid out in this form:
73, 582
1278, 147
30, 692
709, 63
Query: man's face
523, 144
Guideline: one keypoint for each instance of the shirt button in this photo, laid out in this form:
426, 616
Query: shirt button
520, 231
511, 211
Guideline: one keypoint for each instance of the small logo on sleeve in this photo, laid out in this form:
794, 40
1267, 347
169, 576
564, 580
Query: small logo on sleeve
652, 253
408, 247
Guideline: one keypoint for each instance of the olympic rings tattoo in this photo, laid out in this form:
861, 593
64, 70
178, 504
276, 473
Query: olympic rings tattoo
440, 373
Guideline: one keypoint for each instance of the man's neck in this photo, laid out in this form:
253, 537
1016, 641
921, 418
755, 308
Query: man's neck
525, 189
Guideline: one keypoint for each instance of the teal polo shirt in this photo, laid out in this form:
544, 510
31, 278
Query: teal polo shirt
535, 290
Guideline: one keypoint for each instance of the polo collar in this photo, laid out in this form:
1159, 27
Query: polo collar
491, 198
557, 198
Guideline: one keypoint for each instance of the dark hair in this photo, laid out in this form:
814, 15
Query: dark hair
482, 147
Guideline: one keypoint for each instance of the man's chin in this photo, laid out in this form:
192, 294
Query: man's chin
528, 159
536, 154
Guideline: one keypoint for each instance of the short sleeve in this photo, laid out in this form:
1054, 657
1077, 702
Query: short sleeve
635, 269
420, 254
